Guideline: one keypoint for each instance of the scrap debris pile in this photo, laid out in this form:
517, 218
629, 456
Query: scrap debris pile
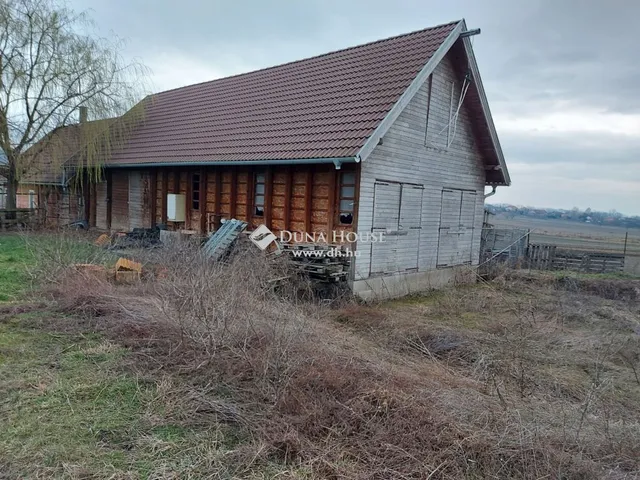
322, 263
325, 263
137, 238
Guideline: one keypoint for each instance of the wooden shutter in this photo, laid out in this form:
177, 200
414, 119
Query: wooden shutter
386, 218
457, 221
409, 227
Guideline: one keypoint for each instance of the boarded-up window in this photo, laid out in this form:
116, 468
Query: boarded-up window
457, 223
440, 112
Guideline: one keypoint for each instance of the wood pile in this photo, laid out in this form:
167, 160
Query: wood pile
326, 263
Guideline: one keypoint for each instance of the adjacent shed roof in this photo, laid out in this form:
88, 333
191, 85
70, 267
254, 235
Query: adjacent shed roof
46, 160
321, 107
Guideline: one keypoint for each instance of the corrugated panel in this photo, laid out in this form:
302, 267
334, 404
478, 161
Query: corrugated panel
101, 205
223, 238
120, 201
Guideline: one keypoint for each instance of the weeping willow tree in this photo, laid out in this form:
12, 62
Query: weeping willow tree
50, 70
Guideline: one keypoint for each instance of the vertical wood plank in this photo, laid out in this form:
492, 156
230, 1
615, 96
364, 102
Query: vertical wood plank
202, 199
153, 195
189, 199
308, 185
218, 198
176, 180
164, 191
356, 202
331, 212
109, 176
288, 203
86, 196
250, 187
93, 210
268, 196
234, 192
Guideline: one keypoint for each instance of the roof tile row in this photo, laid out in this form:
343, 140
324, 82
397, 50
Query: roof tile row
326, 106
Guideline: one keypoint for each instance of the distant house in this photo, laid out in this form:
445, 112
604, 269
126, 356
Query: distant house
392, 137
48, 180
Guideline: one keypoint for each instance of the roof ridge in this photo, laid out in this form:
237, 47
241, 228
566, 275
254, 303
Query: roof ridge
333, 52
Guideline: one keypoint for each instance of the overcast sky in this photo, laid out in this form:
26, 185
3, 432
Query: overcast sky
562, 76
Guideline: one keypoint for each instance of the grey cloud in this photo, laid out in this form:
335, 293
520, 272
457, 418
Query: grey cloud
536, 57
615, 156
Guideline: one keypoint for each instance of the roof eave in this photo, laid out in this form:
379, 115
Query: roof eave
337, 161
475, 72
417, 83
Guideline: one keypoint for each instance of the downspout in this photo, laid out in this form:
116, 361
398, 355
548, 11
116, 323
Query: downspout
491, 193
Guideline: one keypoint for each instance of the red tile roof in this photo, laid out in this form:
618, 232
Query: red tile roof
321, 107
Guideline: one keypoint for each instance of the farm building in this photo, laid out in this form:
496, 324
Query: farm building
48, 182
391, 137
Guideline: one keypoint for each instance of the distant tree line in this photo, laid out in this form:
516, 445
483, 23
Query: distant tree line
611, 217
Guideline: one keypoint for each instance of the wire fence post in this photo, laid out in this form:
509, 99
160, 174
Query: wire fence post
626, 237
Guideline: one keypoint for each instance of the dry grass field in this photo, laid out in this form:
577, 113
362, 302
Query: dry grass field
574, 235
207, 371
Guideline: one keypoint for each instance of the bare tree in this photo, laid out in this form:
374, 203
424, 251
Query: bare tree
49, 68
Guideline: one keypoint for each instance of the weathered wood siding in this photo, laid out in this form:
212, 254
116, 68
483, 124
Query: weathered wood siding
430, 162
139, 203
120, 200
297, 198
59, 206
101, 205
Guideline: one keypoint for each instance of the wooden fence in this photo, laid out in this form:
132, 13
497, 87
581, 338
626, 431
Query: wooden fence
19, 217
549, 257
541, 256
503, 245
